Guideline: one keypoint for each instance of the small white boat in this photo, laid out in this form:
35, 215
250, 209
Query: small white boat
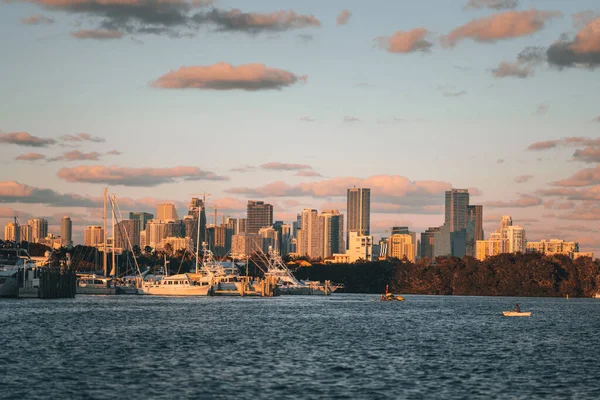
175, 285
516, 314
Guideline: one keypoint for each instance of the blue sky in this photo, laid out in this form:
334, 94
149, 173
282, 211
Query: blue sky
405, 119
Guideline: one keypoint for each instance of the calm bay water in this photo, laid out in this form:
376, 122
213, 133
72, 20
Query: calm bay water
343, 346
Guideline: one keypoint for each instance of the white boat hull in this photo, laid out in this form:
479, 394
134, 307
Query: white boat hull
516, 314
175, 291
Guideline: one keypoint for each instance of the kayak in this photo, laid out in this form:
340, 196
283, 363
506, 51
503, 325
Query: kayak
516, 314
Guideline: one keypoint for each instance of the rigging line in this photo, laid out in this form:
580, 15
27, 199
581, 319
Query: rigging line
127, 234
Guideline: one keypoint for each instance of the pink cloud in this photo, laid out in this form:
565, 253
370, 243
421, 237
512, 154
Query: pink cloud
571, 141
82, 137
406, 42
37, 20
583, 50
222, 76
8, 212
571, 193
505, 25
99, 34
25, 139
524, 200
30, 157
344, 17
517, 70
589, 155
236, 20
135, 176
77, 155
584, 177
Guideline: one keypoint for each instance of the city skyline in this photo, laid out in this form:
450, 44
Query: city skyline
438, 101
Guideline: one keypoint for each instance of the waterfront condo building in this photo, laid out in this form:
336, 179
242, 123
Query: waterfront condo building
25, 233
360, 248
66, 232
309, 241
553, 246
142, 218
259, 215
401, 245
331, 227
359, 212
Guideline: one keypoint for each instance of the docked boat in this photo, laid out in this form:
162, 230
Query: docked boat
175, 285
516, 313
95, 285
12, 261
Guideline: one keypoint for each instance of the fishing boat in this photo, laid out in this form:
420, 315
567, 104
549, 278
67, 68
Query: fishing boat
516, 313
175, 285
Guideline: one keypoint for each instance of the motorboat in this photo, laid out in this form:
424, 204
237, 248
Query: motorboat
95, 285
391, 297
516, 313
175, 285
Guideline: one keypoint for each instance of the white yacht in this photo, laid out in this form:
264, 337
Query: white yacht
11, 262
175, 285
95, 285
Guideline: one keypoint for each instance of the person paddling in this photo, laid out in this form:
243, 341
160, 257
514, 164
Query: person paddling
517, 308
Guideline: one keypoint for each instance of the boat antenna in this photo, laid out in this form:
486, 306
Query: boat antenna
104, 236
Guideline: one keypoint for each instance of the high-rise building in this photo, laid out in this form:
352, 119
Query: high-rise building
552, 247
309, 241
155, 233
359, 211
190, 229
286, 240
457, 203
259, 215
127, 234
174, 228
492, 247
245, 244
474, 228
270, 239
25, 233
428, 243
401, 245
66, 232
93, 236
197, 209
360, 248
331, 227
142, 217
232, 225
505, 222
12, 232
166, 212
241, 225
217, 240
515, 238
39, 229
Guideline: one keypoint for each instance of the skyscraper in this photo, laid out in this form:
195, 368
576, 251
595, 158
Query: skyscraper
66, 232
474, 228
12, 232
39, 229
197, 209
142, 217
259, 215
515, 239
93, 236
359, 212
331, 225
309, 236
505, 222
428, 243
166, 211
457, 204
127, 234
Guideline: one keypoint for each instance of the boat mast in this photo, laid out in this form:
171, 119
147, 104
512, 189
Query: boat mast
104, 238
112, 205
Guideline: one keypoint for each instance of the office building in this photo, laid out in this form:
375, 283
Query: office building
270, 239
331, 227
166, 212
216, 238
428, 243
245, 244
93, 236
505, 222
474, 228
492, 247
142, 217
359, 211
12, 232
155, 233
515, 239
39, 229
241, 225
259, 215
127, 234
457, 204
66, 232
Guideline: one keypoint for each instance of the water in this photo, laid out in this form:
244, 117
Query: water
343, 346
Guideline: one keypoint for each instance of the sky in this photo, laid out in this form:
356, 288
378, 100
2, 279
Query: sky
292, 102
